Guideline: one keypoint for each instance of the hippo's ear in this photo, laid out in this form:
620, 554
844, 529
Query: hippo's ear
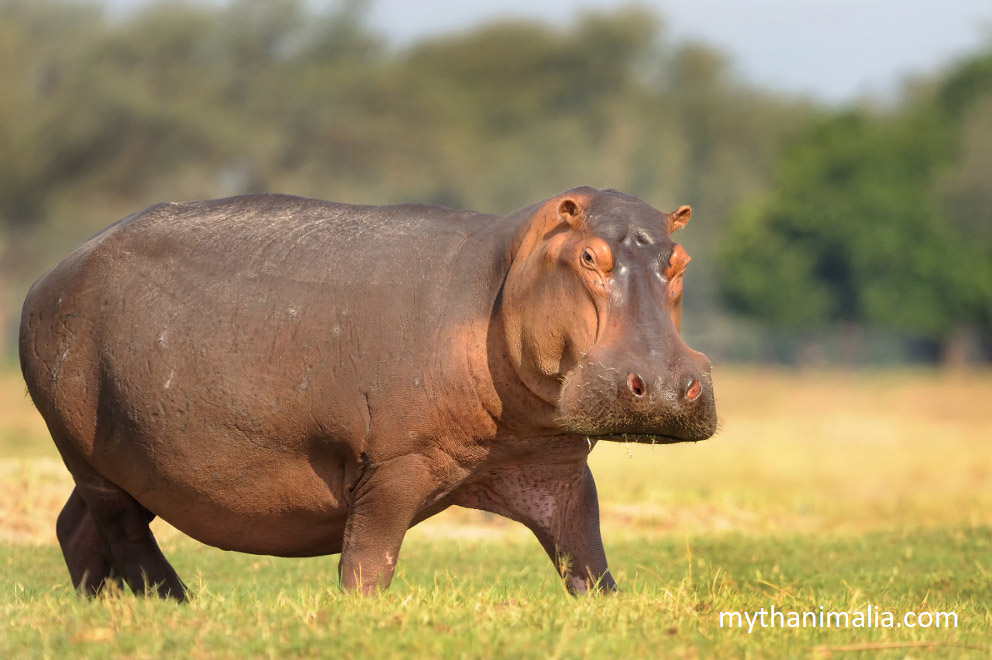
679, 218
570, 211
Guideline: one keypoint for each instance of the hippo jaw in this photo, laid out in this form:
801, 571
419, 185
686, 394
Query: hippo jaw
597, 402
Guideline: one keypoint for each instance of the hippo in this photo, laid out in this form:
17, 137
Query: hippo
286, 376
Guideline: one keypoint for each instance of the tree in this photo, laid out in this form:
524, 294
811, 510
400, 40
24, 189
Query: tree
865, 225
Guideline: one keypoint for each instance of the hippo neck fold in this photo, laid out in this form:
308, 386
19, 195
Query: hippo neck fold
506, 396
538, 358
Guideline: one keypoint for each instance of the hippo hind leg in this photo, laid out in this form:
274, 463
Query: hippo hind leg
125, 541
85, 554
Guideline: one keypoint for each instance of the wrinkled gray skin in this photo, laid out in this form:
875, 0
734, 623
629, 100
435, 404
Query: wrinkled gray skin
286, 376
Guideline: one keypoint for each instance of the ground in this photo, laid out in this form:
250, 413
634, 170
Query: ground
846, 491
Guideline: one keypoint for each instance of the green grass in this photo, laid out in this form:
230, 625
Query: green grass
482, 599
844, 491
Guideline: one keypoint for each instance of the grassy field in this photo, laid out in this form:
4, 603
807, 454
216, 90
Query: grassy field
844, 491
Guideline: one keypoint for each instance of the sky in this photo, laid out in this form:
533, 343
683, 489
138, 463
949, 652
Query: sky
836, 51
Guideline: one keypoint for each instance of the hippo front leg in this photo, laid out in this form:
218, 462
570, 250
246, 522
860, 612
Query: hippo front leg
385, 501
559, 504
570, 535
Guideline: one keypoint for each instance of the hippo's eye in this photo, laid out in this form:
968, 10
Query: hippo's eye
596, 255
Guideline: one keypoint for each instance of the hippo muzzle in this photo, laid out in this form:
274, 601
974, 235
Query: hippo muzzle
621, 399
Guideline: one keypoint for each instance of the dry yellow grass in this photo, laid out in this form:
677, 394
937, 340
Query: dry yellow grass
828, 451
21, 427
825, 451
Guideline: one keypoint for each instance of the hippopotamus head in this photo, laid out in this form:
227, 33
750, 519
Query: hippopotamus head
592, 310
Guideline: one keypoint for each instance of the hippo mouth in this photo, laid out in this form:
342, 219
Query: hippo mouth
600, 418
613, 425
638, 438
642, 438
596, 405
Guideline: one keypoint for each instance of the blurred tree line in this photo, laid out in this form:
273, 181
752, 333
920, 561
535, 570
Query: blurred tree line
878, 220
811, 224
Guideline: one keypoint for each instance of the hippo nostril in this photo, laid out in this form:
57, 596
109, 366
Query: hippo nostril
694, 390
636, 385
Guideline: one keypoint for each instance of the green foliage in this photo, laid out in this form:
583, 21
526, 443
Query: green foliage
870, 223
105, 114
969, 82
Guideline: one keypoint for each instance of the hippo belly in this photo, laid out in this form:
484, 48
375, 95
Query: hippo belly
287, 511
224, 475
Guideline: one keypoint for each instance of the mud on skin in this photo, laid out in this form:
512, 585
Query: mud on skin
280, 375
